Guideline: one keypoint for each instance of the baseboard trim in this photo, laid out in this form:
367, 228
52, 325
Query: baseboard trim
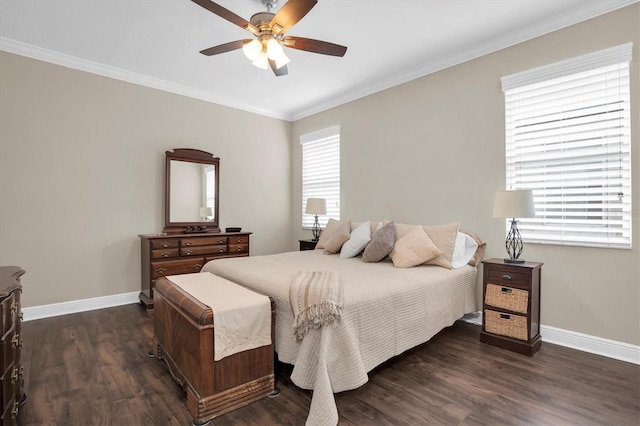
71, 307
580, 341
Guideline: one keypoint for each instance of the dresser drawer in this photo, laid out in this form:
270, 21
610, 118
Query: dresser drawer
168, 243
176, 267
510, 325
203, 241
512, 299
9, 308
9, 343
238, 248
202, 250
507, 277
7, 384
239, 239
165, 253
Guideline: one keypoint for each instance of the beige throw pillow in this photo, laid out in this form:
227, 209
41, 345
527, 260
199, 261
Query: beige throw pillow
381, 244
324, 235
414, 248
337, 238
444, 237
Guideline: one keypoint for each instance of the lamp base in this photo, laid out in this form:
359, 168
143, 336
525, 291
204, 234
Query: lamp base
514, 261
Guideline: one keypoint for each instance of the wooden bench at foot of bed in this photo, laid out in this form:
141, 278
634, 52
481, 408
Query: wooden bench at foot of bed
183, 330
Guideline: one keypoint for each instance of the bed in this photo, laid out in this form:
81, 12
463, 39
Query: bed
387, 310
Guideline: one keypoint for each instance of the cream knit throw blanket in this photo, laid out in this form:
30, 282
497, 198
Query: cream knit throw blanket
316, 300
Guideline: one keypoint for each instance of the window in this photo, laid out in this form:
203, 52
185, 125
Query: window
568, 139
321, 172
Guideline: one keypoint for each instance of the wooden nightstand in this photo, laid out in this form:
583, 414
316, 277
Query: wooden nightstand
511, 305
308, 244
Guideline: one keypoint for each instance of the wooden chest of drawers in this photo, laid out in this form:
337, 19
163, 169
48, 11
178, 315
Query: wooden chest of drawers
177, 254
511, 305
11, 375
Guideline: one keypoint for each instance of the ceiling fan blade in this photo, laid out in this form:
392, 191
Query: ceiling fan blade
226, 14
227, 47
278, 71
315, 46
289, 14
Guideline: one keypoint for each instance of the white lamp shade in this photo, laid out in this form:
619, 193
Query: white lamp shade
514, 204
206, 211
316, 206
252, 49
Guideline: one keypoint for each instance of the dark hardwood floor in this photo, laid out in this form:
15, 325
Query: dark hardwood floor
92, 368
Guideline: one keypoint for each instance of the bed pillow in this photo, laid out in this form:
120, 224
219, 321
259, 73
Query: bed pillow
415, 248
337, 238
479, 254
464, 250
381, 244
358, 240
332, 224
444, 237
375, 224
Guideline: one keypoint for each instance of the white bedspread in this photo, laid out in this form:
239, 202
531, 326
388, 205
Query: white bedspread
386, 311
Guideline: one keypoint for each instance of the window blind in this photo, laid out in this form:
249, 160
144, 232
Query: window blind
321, 173
568, 140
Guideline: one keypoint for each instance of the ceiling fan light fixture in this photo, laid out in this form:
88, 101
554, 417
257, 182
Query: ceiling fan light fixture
252, 49
274, 50
261, 60
282, 61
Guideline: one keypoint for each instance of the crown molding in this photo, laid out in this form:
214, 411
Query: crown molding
588, 11
68, 61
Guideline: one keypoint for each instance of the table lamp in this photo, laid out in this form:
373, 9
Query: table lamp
514, 204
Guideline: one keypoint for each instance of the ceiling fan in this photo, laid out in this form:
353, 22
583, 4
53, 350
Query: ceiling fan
265, 50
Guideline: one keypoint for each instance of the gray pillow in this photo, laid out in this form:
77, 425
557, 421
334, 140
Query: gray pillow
381, 244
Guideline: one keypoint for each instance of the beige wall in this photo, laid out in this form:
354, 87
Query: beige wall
82, 174
431, 151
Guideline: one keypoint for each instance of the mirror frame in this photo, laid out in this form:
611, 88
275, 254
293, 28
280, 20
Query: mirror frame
192, 156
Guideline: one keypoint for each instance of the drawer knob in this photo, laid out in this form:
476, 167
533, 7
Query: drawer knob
15, 340
507, 277
238, 249
238, 240
221, 250
165, 254
161, 270
14, 410
197, 266
14, 308
14, 375
187, 243
506, 290
221, 241
165, 245
505, 316
188, 252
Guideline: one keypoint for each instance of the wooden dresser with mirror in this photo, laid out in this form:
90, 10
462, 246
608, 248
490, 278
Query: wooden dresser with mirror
191, 236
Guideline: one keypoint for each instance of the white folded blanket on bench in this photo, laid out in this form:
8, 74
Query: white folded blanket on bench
241, 317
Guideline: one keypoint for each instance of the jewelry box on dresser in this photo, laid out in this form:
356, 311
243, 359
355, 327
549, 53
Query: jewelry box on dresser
12, 381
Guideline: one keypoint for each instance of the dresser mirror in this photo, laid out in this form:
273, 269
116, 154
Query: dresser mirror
191, 191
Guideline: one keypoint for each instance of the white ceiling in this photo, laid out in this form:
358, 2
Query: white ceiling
156, 43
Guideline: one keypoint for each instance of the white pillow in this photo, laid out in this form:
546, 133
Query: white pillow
463, 250
358, 240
